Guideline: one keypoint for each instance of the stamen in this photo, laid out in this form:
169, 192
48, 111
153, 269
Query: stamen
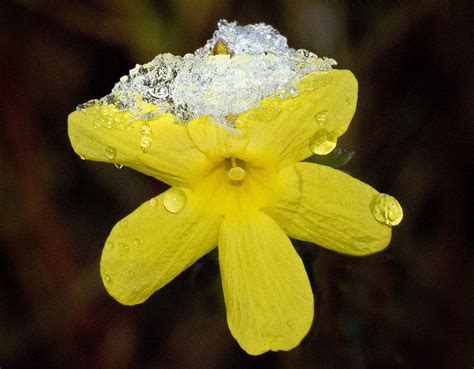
220, 48
235, 173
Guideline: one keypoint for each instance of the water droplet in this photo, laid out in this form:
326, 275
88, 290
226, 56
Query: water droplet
145, 138
137, 242
82, 156
154, 202
107, 278
270, 108
323, 143
124, 248
290, 324
109, 246
110, 153
386, 209
118, 166
174, 200
321, 118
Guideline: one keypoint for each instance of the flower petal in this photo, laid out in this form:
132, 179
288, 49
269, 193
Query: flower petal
267, 292
152, 245
160, 147
330, 208
216, 140
282, 130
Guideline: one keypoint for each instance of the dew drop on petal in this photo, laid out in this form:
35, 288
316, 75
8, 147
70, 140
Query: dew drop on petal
110, 153
321, 118
145, 138
107, 278
154, 202
123, 248
137, 242
82, 156
118, 166
174, 200
323, 142
386, 209
290, 324
270, 110
109, 246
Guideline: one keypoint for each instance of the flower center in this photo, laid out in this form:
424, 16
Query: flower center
236, 172
235, 187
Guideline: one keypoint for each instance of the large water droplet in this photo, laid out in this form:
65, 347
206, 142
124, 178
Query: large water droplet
110, 153
323, 142
174, 200
118, 166
82, 156
386, 209
321, 118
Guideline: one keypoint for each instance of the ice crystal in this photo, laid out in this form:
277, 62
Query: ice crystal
259, 64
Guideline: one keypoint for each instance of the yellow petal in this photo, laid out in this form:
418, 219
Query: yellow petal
330, 208
283, 131
155, 243
160, 147
216, 140
267, 292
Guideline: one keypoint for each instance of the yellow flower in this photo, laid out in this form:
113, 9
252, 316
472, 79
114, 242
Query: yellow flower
246, 190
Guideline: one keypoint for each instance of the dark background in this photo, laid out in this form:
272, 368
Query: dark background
410, 306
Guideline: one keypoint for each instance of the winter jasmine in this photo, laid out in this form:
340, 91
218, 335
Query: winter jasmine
228, 128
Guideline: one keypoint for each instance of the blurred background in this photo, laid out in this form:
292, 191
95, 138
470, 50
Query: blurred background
410, 306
